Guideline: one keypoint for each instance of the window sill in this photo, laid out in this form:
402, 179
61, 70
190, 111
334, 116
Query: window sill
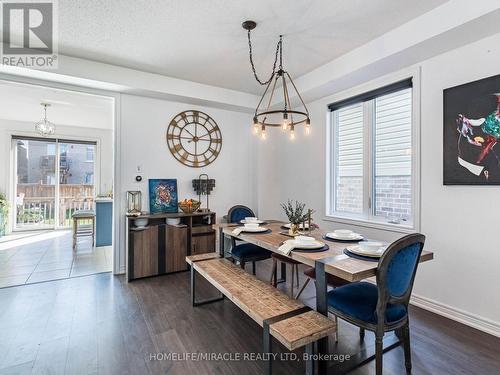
398, 228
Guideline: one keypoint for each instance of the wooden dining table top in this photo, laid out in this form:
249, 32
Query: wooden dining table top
336, 262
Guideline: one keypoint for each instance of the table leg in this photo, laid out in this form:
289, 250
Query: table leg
74, 233
221, 242
321, 307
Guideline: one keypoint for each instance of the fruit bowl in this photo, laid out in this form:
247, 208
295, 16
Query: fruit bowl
189, 206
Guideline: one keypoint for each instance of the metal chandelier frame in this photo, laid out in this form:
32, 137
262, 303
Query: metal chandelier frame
264, 113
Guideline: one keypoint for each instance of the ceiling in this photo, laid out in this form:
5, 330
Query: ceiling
203, 41
21, 102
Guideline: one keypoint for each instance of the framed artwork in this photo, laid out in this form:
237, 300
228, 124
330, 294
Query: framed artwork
471, 155
162, 195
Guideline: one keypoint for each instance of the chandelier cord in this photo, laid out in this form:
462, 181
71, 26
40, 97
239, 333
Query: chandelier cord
278, 50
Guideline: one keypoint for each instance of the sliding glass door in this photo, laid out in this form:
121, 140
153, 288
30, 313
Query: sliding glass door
35, 178
54, 178
76, 180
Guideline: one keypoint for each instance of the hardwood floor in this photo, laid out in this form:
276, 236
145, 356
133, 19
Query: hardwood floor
27, 258
101, 324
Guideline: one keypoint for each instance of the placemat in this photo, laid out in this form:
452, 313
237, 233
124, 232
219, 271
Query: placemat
346, 241
324, 248
266, 232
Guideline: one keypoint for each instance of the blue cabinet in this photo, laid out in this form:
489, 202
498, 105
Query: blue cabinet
104, 222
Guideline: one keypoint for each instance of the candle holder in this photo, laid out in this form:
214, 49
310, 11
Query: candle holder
203, 185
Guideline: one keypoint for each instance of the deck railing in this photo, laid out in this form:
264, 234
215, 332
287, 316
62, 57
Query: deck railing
36, 203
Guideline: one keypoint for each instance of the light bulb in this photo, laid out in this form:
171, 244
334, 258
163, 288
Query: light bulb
263, 134
308, 126
292, 133
286, 122
255, 125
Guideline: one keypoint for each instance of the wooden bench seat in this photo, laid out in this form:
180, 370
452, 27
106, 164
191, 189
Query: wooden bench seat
288, 320
303, 329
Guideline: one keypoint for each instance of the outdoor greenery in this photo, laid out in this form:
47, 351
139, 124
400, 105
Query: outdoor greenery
296, 213
4, 213
29, 215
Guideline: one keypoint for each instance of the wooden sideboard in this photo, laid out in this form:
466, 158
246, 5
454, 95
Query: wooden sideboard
160, 248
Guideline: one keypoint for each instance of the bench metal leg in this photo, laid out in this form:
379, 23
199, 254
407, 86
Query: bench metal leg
194, 302
268, 350
310, 359
322, 308
283, 273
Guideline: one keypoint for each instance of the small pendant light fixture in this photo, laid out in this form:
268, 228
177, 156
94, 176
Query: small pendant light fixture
45, 128
287, 118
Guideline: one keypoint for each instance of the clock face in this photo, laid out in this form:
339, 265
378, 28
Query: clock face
194, 138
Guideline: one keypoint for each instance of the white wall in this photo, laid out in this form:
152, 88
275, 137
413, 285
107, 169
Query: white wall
144, 123
103, 137
460, 222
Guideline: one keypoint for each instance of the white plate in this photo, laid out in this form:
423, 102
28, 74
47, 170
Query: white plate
307, 246
252, 222
353, 237
300, 227
254, 230
368, 253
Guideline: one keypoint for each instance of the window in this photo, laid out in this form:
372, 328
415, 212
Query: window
90, 153
370, 150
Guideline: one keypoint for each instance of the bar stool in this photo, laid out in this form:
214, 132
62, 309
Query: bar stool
83, 230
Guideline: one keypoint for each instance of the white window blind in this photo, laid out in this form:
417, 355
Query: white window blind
371, 147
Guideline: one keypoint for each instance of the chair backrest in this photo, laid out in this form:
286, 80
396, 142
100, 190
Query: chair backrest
238, 213
396, 271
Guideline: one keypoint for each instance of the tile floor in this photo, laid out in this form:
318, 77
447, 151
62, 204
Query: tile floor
34, 257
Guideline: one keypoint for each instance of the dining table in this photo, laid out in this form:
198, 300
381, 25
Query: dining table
332, 261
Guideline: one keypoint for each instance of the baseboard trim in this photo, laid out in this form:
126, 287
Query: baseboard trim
482, 324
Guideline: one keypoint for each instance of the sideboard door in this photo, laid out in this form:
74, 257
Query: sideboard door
176, 248
145, 252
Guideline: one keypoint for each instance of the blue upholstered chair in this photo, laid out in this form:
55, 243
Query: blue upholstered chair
243, 252
383, 307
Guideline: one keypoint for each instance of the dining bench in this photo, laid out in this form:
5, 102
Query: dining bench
286, 319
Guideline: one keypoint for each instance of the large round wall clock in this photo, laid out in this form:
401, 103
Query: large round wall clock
194, 138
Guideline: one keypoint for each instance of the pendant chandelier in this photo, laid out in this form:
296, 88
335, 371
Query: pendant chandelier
45, 128
277, 87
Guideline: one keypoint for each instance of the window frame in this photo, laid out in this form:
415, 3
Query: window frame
367, 217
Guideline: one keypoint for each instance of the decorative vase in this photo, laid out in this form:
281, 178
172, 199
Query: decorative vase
294, 229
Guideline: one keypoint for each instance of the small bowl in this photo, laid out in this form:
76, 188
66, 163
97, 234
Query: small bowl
173, 220
251, 225
305, 239
370, 245
251, 219
141, 222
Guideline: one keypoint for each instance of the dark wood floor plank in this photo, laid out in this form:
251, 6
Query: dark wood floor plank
103, 325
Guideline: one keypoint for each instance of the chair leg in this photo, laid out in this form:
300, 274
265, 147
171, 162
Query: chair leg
406, 345
274, 274
253, 268
379, 352
293, 269
361, 334
336, 329
242, 265
303, 287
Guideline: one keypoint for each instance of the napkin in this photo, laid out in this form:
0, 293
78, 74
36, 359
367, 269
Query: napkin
237, 231
286, 248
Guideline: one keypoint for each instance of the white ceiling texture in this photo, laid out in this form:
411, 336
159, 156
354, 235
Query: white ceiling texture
203, 41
